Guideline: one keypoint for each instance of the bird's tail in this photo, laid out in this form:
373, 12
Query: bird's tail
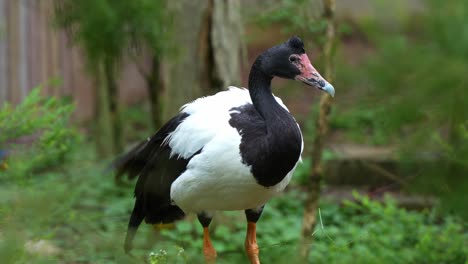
131, 163
138, 214
150, 162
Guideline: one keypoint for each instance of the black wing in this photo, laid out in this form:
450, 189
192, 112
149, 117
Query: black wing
156, 170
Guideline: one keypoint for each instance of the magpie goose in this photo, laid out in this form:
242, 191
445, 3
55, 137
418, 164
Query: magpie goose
234, 150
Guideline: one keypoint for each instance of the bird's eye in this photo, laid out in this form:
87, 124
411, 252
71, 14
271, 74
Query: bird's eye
294, 58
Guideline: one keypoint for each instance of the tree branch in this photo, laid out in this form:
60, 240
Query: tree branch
381, 171
139, 67
314, 181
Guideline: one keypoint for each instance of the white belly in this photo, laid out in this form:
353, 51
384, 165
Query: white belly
195, 193
223, 183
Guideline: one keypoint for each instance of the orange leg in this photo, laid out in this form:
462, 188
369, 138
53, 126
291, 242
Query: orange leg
251, 246
208, 249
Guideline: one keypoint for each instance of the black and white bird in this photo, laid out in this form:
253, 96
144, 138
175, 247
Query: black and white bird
234, 150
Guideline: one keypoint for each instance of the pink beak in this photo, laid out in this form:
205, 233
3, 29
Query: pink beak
310, 76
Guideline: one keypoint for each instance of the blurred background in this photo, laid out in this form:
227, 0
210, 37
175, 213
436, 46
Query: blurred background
384, 177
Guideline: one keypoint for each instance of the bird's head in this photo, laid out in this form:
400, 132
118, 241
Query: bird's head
289, 60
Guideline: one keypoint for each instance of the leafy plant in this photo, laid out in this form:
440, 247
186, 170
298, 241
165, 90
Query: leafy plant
418, 88
363, 125
370, 232
36, 133
107, 31
85, 216
294, 17
363, 231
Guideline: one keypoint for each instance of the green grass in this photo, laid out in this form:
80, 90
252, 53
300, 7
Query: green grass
77, 208
80, 210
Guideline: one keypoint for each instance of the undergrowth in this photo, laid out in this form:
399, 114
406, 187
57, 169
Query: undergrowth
356, 232
73, 212
36, 131
84, 215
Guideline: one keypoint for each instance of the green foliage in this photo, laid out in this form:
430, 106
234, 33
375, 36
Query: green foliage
77, 209
295, 18
358, 232
422, 80
42, 123
302, 172
445, 171
158, 258
370, 232
85, 216
275, 233
363, 125
417, 91
303, 169
106, 29
136, 123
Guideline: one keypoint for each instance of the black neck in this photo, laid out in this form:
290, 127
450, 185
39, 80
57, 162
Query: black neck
262, 98
280, 147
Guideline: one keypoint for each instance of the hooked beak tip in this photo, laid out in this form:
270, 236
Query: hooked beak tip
329, 89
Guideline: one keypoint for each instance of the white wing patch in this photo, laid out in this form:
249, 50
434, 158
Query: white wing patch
208, 117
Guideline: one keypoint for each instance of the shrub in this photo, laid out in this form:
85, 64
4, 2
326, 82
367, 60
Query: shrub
365, 231
36, 133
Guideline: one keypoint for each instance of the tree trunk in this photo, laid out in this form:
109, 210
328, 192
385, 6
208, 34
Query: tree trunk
315, 179
155, 84
103, 131
13, 55
114, 107
213, 62
4, 54
221, 45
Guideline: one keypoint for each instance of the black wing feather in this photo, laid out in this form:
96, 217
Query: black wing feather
150, 161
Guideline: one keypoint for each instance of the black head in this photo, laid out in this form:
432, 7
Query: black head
289, 61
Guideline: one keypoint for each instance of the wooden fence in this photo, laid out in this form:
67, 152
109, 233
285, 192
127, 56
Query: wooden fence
33, 52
